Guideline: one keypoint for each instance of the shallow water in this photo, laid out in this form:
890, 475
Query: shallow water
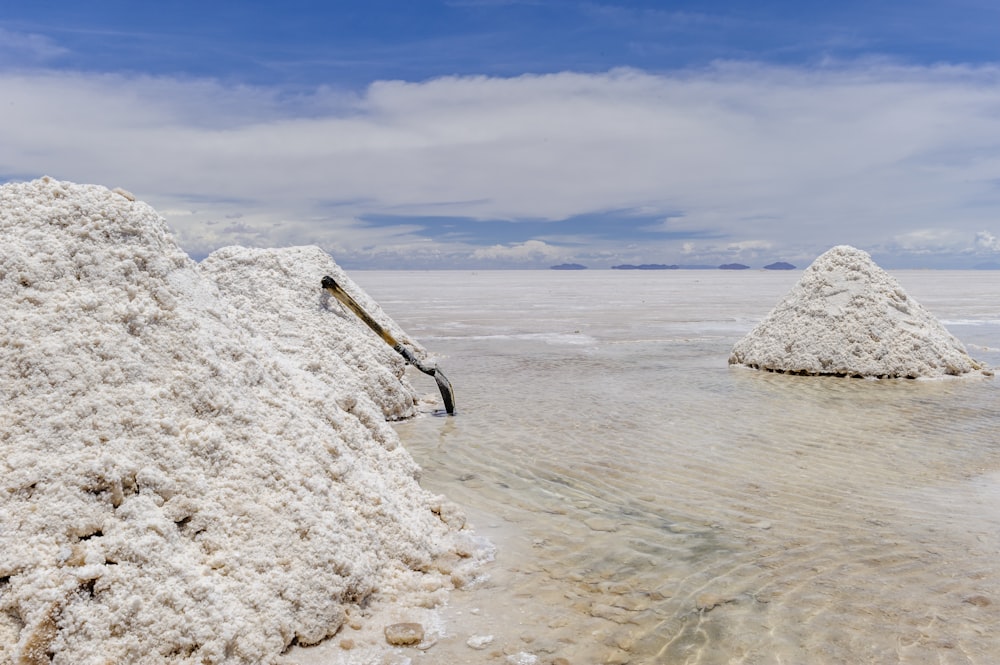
650, 504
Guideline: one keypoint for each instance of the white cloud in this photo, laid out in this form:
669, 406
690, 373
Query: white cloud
531, 251
754, 252
988, 241
30, 48
925, 241
789, 157
754, 246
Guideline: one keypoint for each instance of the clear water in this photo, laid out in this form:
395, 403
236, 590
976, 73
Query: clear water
653, 505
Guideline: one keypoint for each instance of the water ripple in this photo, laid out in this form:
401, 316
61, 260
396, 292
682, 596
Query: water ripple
653, 505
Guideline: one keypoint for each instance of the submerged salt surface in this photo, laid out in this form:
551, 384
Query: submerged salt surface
652, 504
185, 480
848, 317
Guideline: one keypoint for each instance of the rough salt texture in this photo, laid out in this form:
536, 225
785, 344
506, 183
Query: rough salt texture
173, 488
277, 293
848, 317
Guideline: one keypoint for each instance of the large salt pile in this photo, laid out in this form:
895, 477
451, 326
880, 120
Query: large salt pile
848, 317
173, 488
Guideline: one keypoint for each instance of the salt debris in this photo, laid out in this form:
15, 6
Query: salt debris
479, 642
404, 634
186, 476
848, 317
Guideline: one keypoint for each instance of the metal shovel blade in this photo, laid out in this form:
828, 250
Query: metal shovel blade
447, 394
444, 385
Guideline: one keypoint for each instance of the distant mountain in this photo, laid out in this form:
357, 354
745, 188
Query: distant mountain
780, 265
568, 266
644, 266
697, 266
733, 266
991, 265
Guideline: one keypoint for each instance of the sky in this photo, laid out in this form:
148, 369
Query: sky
479, 134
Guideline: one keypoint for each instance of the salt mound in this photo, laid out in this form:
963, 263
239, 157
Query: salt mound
175, 489
848, 317
276, 293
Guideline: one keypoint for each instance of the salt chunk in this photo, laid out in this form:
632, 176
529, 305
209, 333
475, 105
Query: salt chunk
479, 642
404, 634
601, 524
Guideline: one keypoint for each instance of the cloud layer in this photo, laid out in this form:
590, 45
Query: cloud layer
735, 162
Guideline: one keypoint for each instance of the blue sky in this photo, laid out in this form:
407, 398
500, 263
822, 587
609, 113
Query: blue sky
502, 133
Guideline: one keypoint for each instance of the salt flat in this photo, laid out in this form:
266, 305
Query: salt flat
653, 505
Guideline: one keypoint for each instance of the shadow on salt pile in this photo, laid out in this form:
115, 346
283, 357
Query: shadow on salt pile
848, 317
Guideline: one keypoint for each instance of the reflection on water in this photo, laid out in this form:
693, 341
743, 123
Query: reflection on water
653, 505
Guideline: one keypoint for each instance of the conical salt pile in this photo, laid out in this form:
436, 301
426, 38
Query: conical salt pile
848, 317
178, 483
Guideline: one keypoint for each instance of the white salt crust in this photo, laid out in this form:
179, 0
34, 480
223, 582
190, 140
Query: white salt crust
848, 317
276, 293
190, 474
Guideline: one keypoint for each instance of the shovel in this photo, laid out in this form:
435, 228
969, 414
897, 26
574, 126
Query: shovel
444, 385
